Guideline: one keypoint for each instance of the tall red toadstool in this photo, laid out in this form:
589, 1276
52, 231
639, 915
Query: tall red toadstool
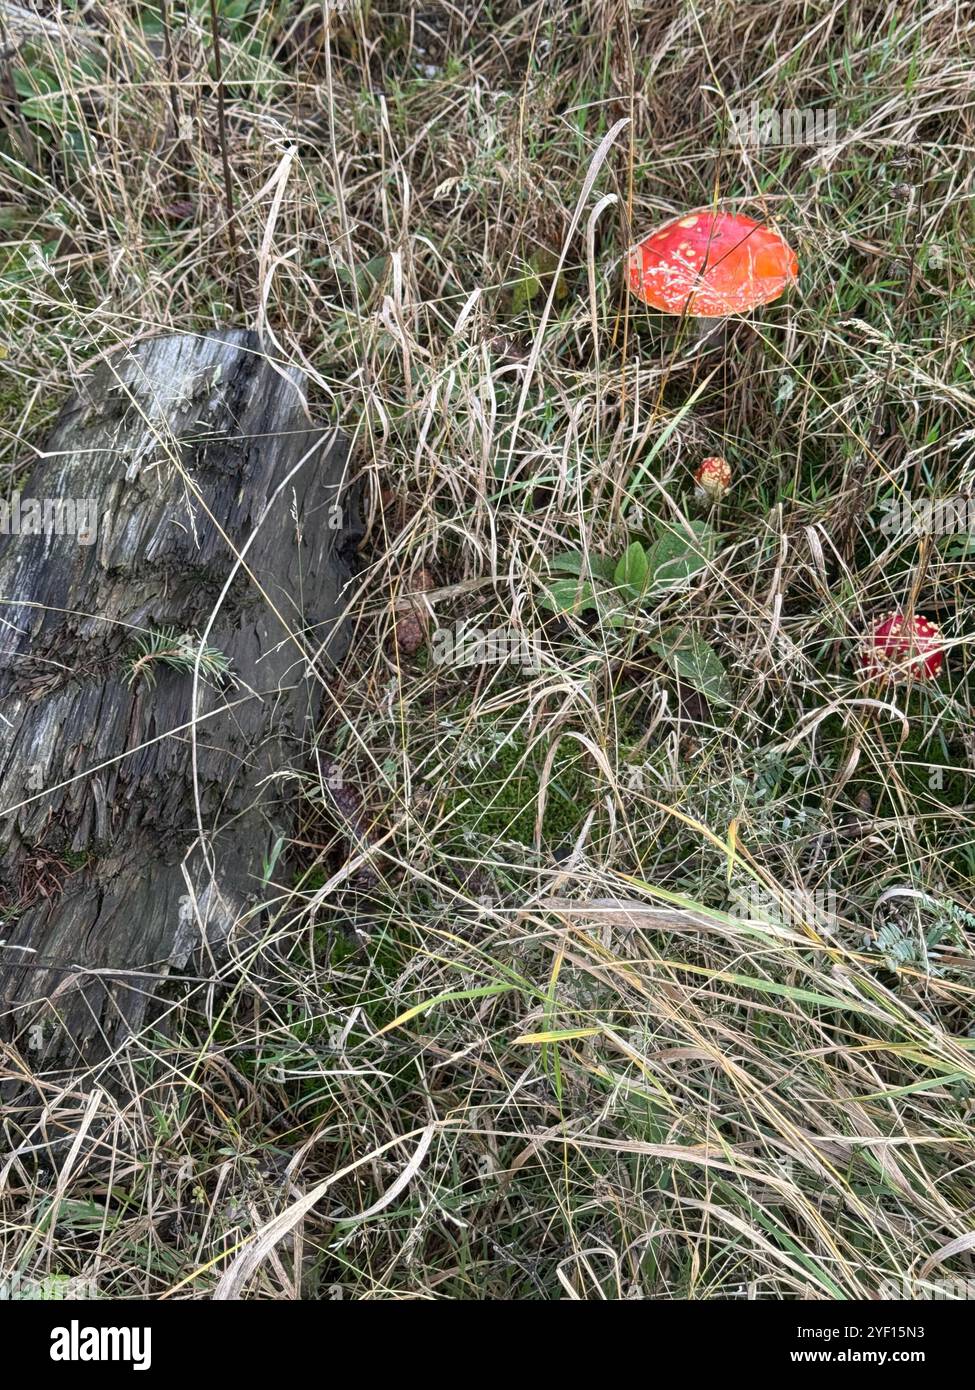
711, 264
899, 648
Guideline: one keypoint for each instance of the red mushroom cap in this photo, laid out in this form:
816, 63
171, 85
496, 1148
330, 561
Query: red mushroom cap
711, 264
898, 648
713, 477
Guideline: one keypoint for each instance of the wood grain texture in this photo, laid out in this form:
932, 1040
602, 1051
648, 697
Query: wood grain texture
194, 449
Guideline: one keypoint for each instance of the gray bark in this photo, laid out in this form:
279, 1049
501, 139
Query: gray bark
107, 887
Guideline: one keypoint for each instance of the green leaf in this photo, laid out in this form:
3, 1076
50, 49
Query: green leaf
632, 571
694, 661
372, 273
574, 596
523, 292
34, 81
575, 562
675, 557
451, 996
366, 277
568, 596
540, 267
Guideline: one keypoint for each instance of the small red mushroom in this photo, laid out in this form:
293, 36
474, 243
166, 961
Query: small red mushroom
710, 264
899, 648
713, 479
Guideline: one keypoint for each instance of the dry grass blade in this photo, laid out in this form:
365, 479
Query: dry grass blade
619, 938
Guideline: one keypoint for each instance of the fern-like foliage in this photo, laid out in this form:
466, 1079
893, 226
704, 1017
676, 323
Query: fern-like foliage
178, 651
900, 946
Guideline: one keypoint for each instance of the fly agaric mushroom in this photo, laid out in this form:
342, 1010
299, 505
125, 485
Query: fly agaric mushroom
899, 648
713, 479
711, 264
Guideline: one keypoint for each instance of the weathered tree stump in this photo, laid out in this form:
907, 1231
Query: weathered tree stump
138, 805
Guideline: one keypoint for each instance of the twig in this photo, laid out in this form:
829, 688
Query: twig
225, 157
